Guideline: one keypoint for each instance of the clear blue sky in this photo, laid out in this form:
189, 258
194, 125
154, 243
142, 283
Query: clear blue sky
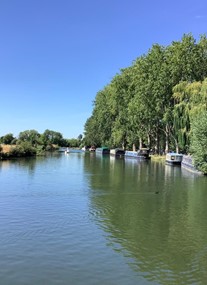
55, 55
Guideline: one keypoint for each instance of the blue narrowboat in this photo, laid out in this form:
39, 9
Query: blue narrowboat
142, 153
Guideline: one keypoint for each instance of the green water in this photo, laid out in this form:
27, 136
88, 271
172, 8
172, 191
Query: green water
87, 219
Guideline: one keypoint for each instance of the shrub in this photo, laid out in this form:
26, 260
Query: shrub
199, 141
23, 149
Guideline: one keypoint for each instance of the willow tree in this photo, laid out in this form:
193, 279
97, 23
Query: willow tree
187, 62
181, 116
190, 100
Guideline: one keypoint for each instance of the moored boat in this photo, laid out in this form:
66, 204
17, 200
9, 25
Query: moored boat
118, 152
174, 158
85, 148
142, 153
129, 153
103, 150
187, 163
92, 148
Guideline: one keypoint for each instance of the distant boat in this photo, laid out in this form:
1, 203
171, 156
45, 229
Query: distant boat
67, 150
173, 158
117, 152
85, 148
103, 150
92, 148
142, 153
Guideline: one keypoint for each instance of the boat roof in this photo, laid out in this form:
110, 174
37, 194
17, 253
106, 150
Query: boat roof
174, 153
104, 147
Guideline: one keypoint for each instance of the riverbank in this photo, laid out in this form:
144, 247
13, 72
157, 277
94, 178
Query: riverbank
25, 149
5, 148
160, 158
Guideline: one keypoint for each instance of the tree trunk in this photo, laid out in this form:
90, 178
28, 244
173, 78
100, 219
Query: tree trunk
140, 143
134, 147
148, 140
166, 139
177, 147
157, 143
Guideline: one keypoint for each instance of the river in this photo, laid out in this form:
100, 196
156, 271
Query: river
85, 219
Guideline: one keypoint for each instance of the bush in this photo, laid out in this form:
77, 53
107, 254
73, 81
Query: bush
22, 149
199, 142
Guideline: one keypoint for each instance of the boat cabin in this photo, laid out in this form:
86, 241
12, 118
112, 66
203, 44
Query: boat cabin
103, 150
143, 152
174, 158
118, 152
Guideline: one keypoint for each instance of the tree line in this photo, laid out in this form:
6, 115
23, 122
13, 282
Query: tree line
31, 142
158, 101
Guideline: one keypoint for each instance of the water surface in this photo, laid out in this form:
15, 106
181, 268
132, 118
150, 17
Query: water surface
86, 219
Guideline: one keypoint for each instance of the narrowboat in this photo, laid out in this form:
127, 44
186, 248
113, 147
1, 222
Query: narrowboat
173, 158
103, 150
142, 153
117, 152
187, 163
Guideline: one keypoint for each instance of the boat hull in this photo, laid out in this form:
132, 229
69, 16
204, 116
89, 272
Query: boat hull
170, 162
135, 154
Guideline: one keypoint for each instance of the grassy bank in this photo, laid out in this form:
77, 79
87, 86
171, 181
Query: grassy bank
160, 158
24, 149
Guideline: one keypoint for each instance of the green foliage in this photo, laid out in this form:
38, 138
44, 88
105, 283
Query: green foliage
7, 139
199, 141
80, 137
52, 137
22, 149
30, 143
153, 100
31, 136
73, 142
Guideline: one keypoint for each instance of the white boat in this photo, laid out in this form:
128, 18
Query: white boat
67, 150
84, 148
173, 158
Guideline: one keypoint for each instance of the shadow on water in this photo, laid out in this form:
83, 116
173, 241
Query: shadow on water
153, 214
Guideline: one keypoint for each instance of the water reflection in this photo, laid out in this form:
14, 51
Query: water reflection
152, 214
28, 163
